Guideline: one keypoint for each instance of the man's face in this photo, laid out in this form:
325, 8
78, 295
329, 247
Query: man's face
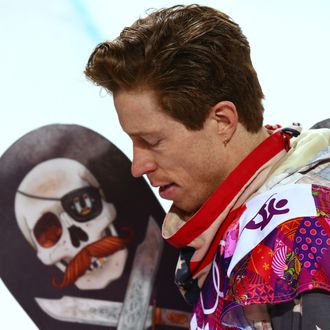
186, 165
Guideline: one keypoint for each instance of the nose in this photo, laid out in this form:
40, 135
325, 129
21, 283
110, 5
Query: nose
77, 235
143, 162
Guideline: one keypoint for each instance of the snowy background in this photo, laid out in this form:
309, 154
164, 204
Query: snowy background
45, 46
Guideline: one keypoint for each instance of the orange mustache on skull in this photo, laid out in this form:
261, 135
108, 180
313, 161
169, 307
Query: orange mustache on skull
99, 249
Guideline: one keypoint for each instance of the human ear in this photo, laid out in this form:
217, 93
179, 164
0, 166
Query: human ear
226, 117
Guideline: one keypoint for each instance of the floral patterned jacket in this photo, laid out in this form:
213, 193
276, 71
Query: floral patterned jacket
276, 250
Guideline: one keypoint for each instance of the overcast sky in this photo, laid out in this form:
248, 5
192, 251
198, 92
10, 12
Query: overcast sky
45, 46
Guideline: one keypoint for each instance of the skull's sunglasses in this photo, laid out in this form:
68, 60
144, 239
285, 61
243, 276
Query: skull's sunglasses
81, 204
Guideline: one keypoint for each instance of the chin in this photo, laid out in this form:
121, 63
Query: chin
186, 211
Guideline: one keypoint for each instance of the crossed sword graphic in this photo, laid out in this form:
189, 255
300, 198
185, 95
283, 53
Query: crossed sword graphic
134, 313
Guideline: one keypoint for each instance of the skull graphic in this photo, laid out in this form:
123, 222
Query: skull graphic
61, 212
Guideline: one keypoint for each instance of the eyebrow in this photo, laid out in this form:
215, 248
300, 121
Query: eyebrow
142, 134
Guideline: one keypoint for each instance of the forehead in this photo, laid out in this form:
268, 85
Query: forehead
140, 112
55, 177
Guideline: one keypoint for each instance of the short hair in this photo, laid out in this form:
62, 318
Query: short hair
192, 57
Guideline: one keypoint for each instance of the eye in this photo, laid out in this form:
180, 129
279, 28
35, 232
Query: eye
154, 143
83, 204
48, 230
151, 141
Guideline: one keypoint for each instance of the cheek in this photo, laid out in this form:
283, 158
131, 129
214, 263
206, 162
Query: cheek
200, 167
191, 159
203, 179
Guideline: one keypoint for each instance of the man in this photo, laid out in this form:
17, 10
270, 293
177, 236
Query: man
254, 244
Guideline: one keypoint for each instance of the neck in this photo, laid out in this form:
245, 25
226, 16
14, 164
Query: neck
243, 143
